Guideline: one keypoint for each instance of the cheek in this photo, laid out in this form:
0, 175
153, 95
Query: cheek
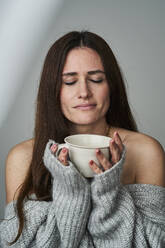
103, 95
65, 100
63, 96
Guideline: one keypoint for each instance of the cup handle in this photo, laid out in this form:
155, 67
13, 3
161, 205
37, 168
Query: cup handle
60, 146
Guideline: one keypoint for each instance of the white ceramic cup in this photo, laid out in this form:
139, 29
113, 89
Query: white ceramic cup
82, 149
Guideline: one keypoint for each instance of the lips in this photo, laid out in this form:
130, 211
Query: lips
85, 106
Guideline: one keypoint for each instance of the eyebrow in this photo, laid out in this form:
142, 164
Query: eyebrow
89, 73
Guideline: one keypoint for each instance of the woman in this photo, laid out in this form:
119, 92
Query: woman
82, 91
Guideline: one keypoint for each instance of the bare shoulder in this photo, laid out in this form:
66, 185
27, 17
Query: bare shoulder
148, 158
17, 164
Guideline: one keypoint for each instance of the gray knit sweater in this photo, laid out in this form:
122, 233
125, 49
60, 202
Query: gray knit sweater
99, 213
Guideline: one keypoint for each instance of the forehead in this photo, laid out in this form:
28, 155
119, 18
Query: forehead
82, 59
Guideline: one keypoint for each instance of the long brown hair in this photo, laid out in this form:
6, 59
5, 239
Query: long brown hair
50, 122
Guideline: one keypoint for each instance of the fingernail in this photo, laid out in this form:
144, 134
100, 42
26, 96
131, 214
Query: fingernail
91, 162
97, 151
53, 147
64, 150
112, 142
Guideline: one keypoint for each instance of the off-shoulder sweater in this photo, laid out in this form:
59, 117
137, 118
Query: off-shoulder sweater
100, 213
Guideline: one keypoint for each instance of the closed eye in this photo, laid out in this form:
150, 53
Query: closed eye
70, 83
92, 80
96, 81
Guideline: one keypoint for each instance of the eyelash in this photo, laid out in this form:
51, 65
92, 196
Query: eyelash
94, 81
70, 83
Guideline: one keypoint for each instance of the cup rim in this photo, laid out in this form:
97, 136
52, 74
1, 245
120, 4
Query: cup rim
84, 147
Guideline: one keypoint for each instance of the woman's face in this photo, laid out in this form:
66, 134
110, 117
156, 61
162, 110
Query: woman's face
85, 91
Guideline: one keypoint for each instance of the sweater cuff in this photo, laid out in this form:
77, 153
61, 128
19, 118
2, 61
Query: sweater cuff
66, 178
110, 178
53, 164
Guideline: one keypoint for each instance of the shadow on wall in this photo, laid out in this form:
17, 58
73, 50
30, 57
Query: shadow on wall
25, 27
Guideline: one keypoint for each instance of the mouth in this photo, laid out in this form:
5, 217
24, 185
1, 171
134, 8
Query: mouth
85, 106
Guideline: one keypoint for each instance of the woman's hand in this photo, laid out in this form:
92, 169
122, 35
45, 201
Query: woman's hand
116, 149
63, 155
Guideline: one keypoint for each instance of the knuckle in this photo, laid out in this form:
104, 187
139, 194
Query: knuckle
104, 160
98, 170
108, 165
61, 159
113, 160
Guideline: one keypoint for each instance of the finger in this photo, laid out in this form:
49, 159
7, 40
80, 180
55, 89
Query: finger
115, 152
118, 141
63, 156
95, 167
53, 148
105, 163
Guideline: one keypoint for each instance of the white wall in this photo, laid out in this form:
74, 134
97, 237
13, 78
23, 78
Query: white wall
135, 31
24, 30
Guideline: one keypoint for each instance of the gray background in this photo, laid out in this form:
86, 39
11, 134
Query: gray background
135, 32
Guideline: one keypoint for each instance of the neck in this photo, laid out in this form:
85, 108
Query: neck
101, 128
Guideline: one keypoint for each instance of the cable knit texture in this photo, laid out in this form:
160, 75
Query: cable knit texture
99, 213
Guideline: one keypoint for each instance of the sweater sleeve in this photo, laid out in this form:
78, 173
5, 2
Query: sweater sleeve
58, 223
126, 216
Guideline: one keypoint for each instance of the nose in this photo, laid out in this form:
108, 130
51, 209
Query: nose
84, 90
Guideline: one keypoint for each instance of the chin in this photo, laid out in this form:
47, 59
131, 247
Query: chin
84, 121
